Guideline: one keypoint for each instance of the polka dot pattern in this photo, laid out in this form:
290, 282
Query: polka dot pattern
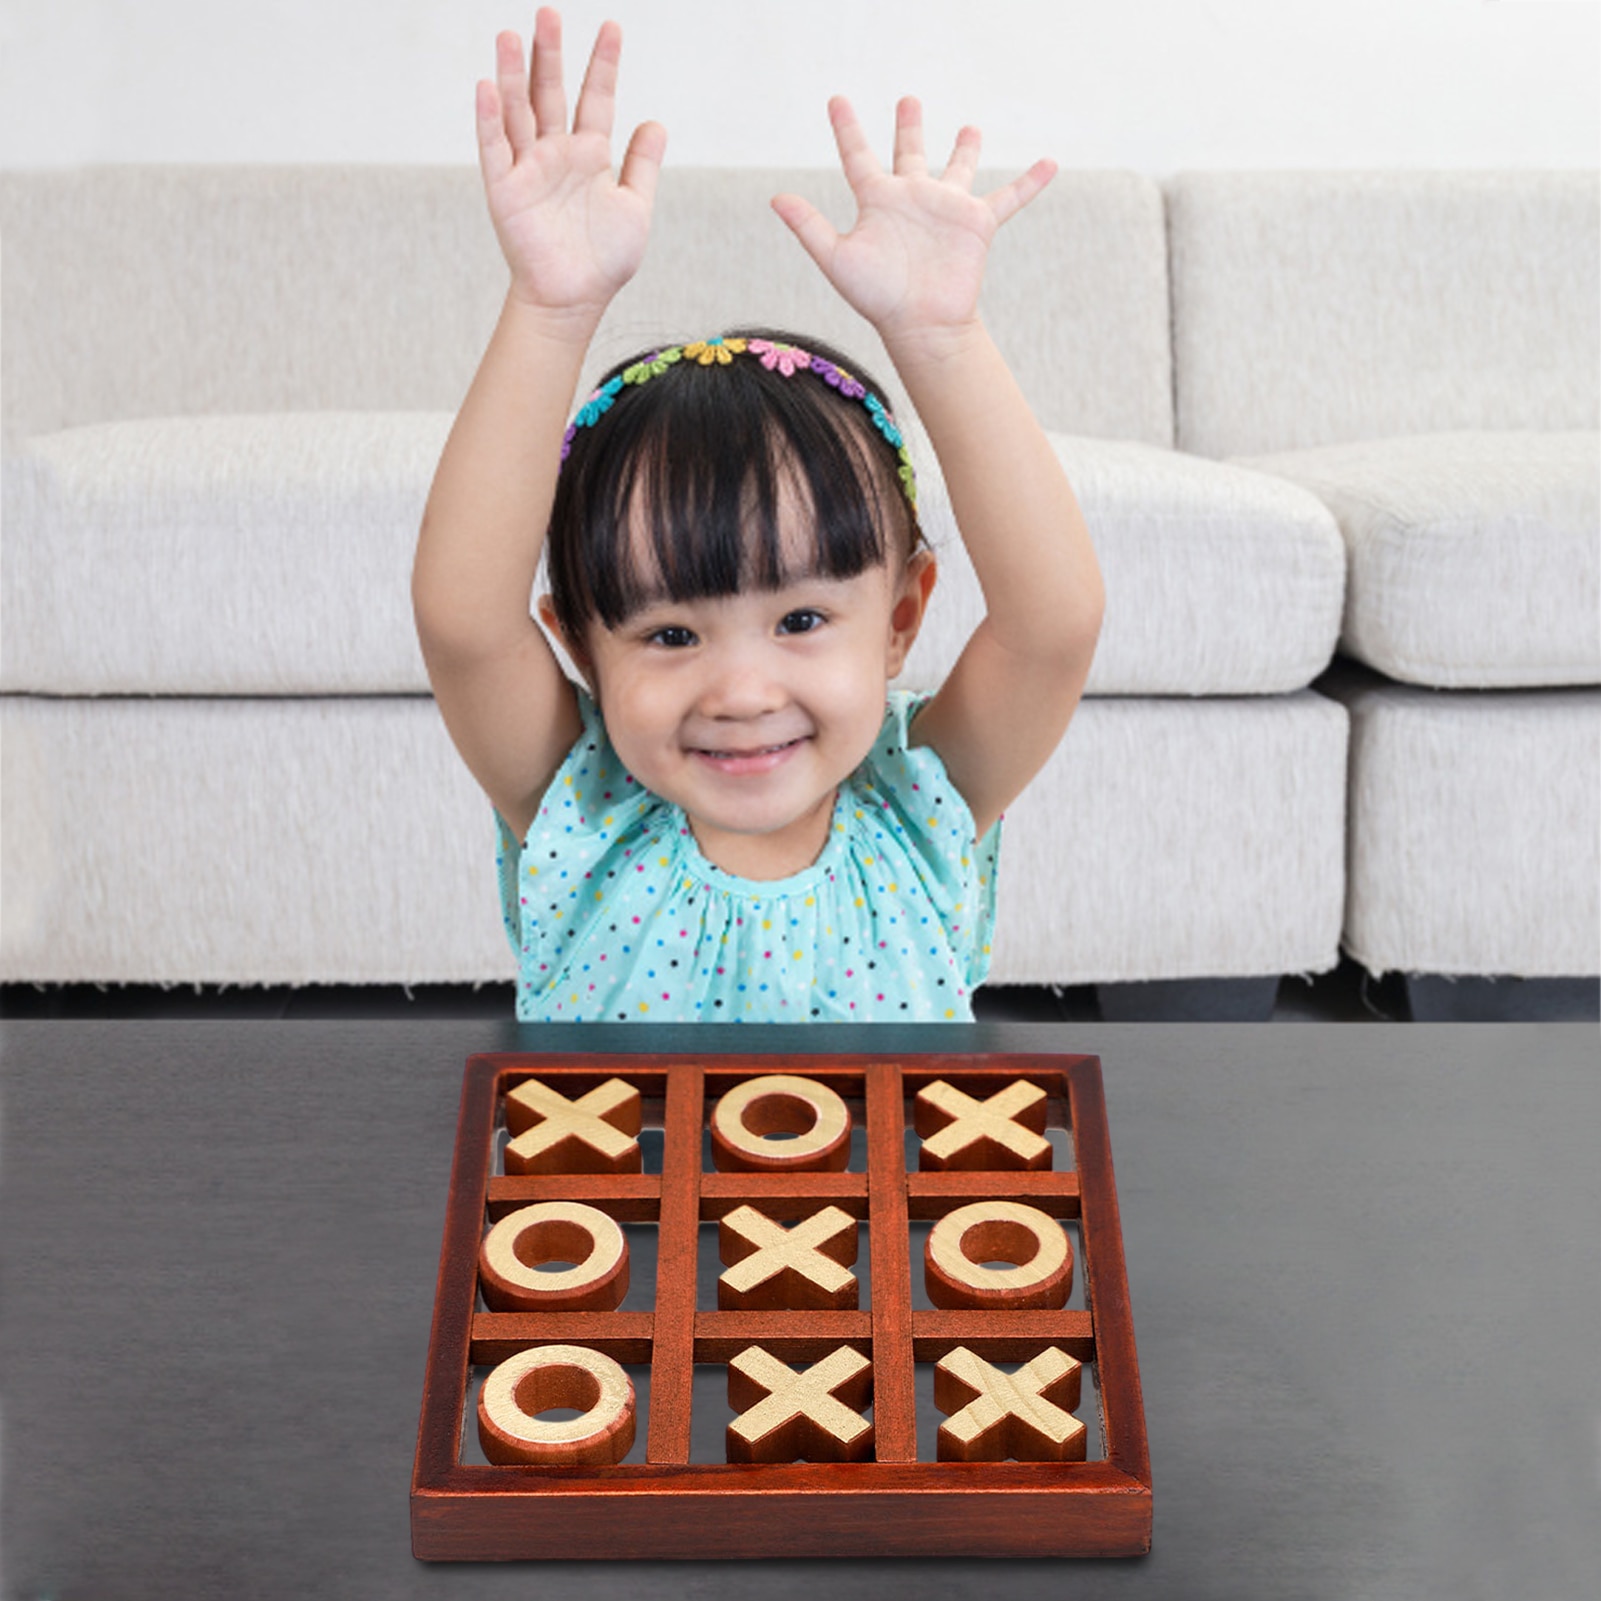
616, 915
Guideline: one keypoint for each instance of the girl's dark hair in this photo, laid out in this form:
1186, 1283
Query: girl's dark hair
697, 458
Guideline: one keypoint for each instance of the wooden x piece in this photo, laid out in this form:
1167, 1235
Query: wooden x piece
775, 1267
1004, 1131
813, 1414
1026, 1415
593, 1134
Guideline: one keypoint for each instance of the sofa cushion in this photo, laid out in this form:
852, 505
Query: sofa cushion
222, 555
1475, 828
272, 555
1475, 559
270, 840
1171, 838
1219, 580
1317, 308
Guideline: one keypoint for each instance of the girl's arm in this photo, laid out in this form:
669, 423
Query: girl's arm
912, 266
572, 236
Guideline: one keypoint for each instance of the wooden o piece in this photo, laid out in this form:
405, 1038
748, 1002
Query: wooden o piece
773, 1267
994, 1415
812, 1414
594, 1134
1006, 1130
745, 1119
549, 1376
554, 1231
964, 1240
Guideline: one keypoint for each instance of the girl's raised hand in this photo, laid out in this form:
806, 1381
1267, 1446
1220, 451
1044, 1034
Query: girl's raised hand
571, 233
914, 261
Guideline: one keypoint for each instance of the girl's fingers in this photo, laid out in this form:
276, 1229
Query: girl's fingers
642, 162
855, 153
1011, 199
910, 160
545, 92
964, 158
494, 149
597, 100
517, 115
816, 233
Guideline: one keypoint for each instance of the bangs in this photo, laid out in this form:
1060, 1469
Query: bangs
696, 484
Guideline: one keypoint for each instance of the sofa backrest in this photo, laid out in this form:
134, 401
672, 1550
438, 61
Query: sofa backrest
1319, 308
157, 291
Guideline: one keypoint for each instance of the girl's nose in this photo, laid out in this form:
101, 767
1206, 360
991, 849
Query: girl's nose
739, 684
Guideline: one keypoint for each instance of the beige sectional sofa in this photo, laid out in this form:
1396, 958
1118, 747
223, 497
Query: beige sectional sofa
1302, 412
1420, 354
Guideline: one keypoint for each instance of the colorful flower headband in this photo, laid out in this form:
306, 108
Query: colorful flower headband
786, 360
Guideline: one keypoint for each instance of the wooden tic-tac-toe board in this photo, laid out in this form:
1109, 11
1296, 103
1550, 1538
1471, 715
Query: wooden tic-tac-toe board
886, 1229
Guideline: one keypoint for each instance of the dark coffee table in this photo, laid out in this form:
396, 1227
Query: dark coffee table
1363, 1263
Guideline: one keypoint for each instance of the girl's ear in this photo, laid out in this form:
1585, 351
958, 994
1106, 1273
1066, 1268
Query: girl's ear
911, 601
575, 650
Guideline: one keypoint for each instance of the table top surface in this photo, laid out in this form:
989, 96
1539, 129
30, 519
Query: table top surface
1363, 1266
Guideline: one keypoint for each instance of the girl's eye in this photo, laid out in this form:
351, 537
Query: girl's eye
801, 622
672, 637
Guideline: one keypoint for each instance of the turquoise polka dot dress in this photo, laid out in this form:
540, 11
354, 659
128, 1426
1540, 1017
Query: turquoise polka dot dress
615, 915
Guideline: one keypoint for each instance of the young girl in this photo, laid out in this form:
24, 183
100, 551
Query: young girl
733, 818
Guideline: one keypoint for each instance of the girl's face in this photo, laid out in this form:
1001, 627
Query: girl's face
749, 710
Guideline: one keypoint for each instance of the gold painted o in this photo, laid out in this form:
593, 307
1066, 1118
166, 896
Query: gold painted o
746, 1119
1040, 1255
547, 1377
554, 1231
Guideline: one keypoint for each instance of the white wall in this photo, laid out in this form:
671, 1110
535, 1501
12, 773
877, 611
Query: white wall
1153, 85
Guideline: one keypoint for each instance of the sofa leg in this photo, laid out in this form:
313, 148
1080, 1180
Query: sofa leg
1440, 998
1190, 1000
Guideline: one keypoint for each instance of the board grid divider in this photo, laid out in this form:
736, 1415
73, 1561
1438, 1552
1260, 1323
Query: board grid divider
889, 1242
677, 1252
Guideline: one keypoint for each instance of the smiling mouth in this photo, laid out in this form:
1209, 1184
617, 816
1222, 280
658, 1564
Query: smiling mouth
758, 759
755, 750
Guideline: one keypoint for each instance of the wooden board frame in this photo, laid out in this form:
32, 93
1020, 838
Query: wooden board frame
894, 1505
